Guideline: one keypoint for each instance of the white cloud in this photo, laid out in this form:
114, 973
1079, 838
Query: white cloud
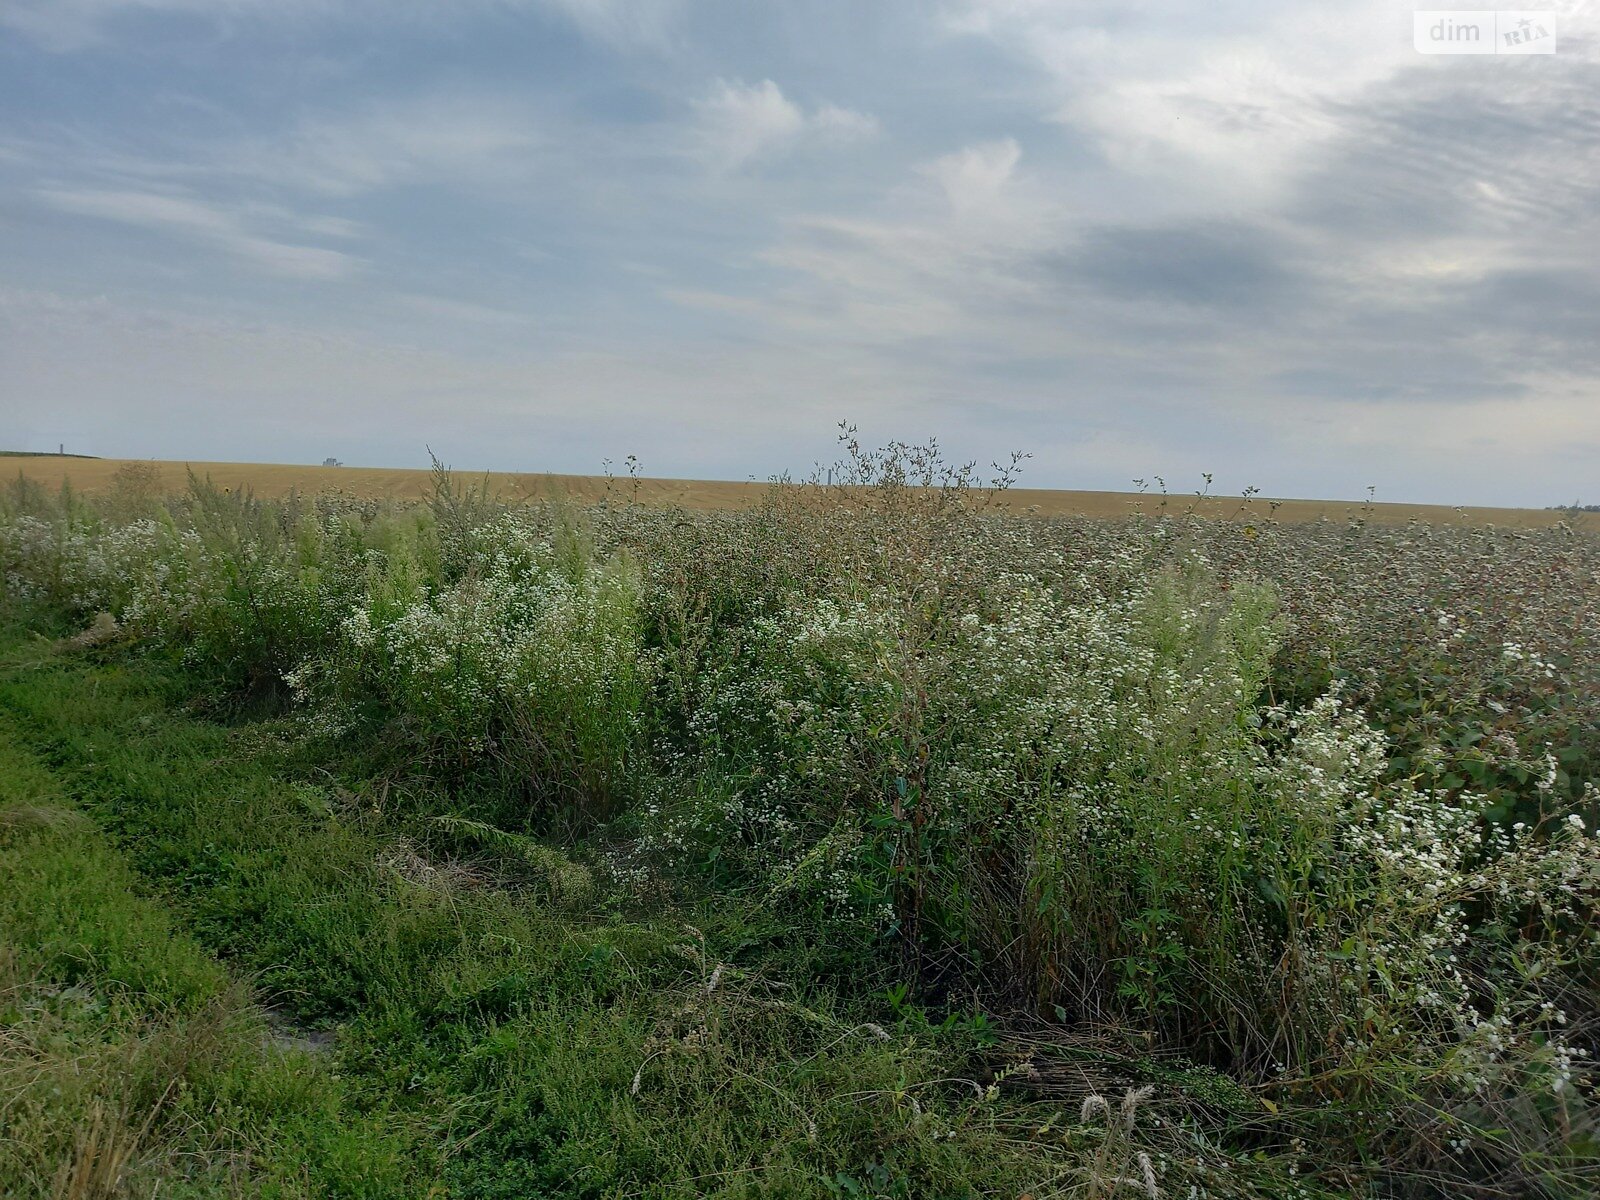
974, 177
844, 123
943, 255
1213, 107
205, 223
338, 227
619, 22
422, 139
737, 122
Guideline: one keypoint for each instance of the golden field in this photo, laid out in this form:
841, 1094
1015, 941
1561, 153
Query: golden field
277, 479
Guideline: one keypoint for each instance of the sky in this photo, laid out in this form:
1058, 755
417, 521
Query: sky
1266, 241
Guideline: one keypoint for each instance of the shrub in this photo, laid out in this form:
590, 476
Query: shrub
531, 660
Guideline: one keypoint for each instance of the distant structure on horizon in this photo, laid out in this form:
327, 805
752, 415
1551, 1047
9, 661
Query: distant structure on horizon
332, 462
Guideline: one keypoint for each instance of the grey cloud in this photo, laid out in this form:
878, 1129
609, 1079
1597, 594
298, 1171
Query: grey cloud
1482, 149
1208, 264
1560, 304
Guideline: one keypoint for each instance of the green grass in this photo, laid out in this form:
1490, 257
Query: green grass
128, 1056
488, 1040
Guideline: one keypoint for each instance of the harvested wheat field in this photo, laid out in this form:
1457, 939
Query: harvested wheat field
271, 480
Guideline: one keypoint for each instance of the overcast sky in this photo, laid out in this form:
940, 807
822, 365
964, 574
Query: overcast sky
1265, 240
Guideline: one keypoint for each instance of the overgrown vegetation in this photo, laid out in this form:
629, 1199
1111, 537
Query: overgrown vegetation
129, 1062
914, 848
